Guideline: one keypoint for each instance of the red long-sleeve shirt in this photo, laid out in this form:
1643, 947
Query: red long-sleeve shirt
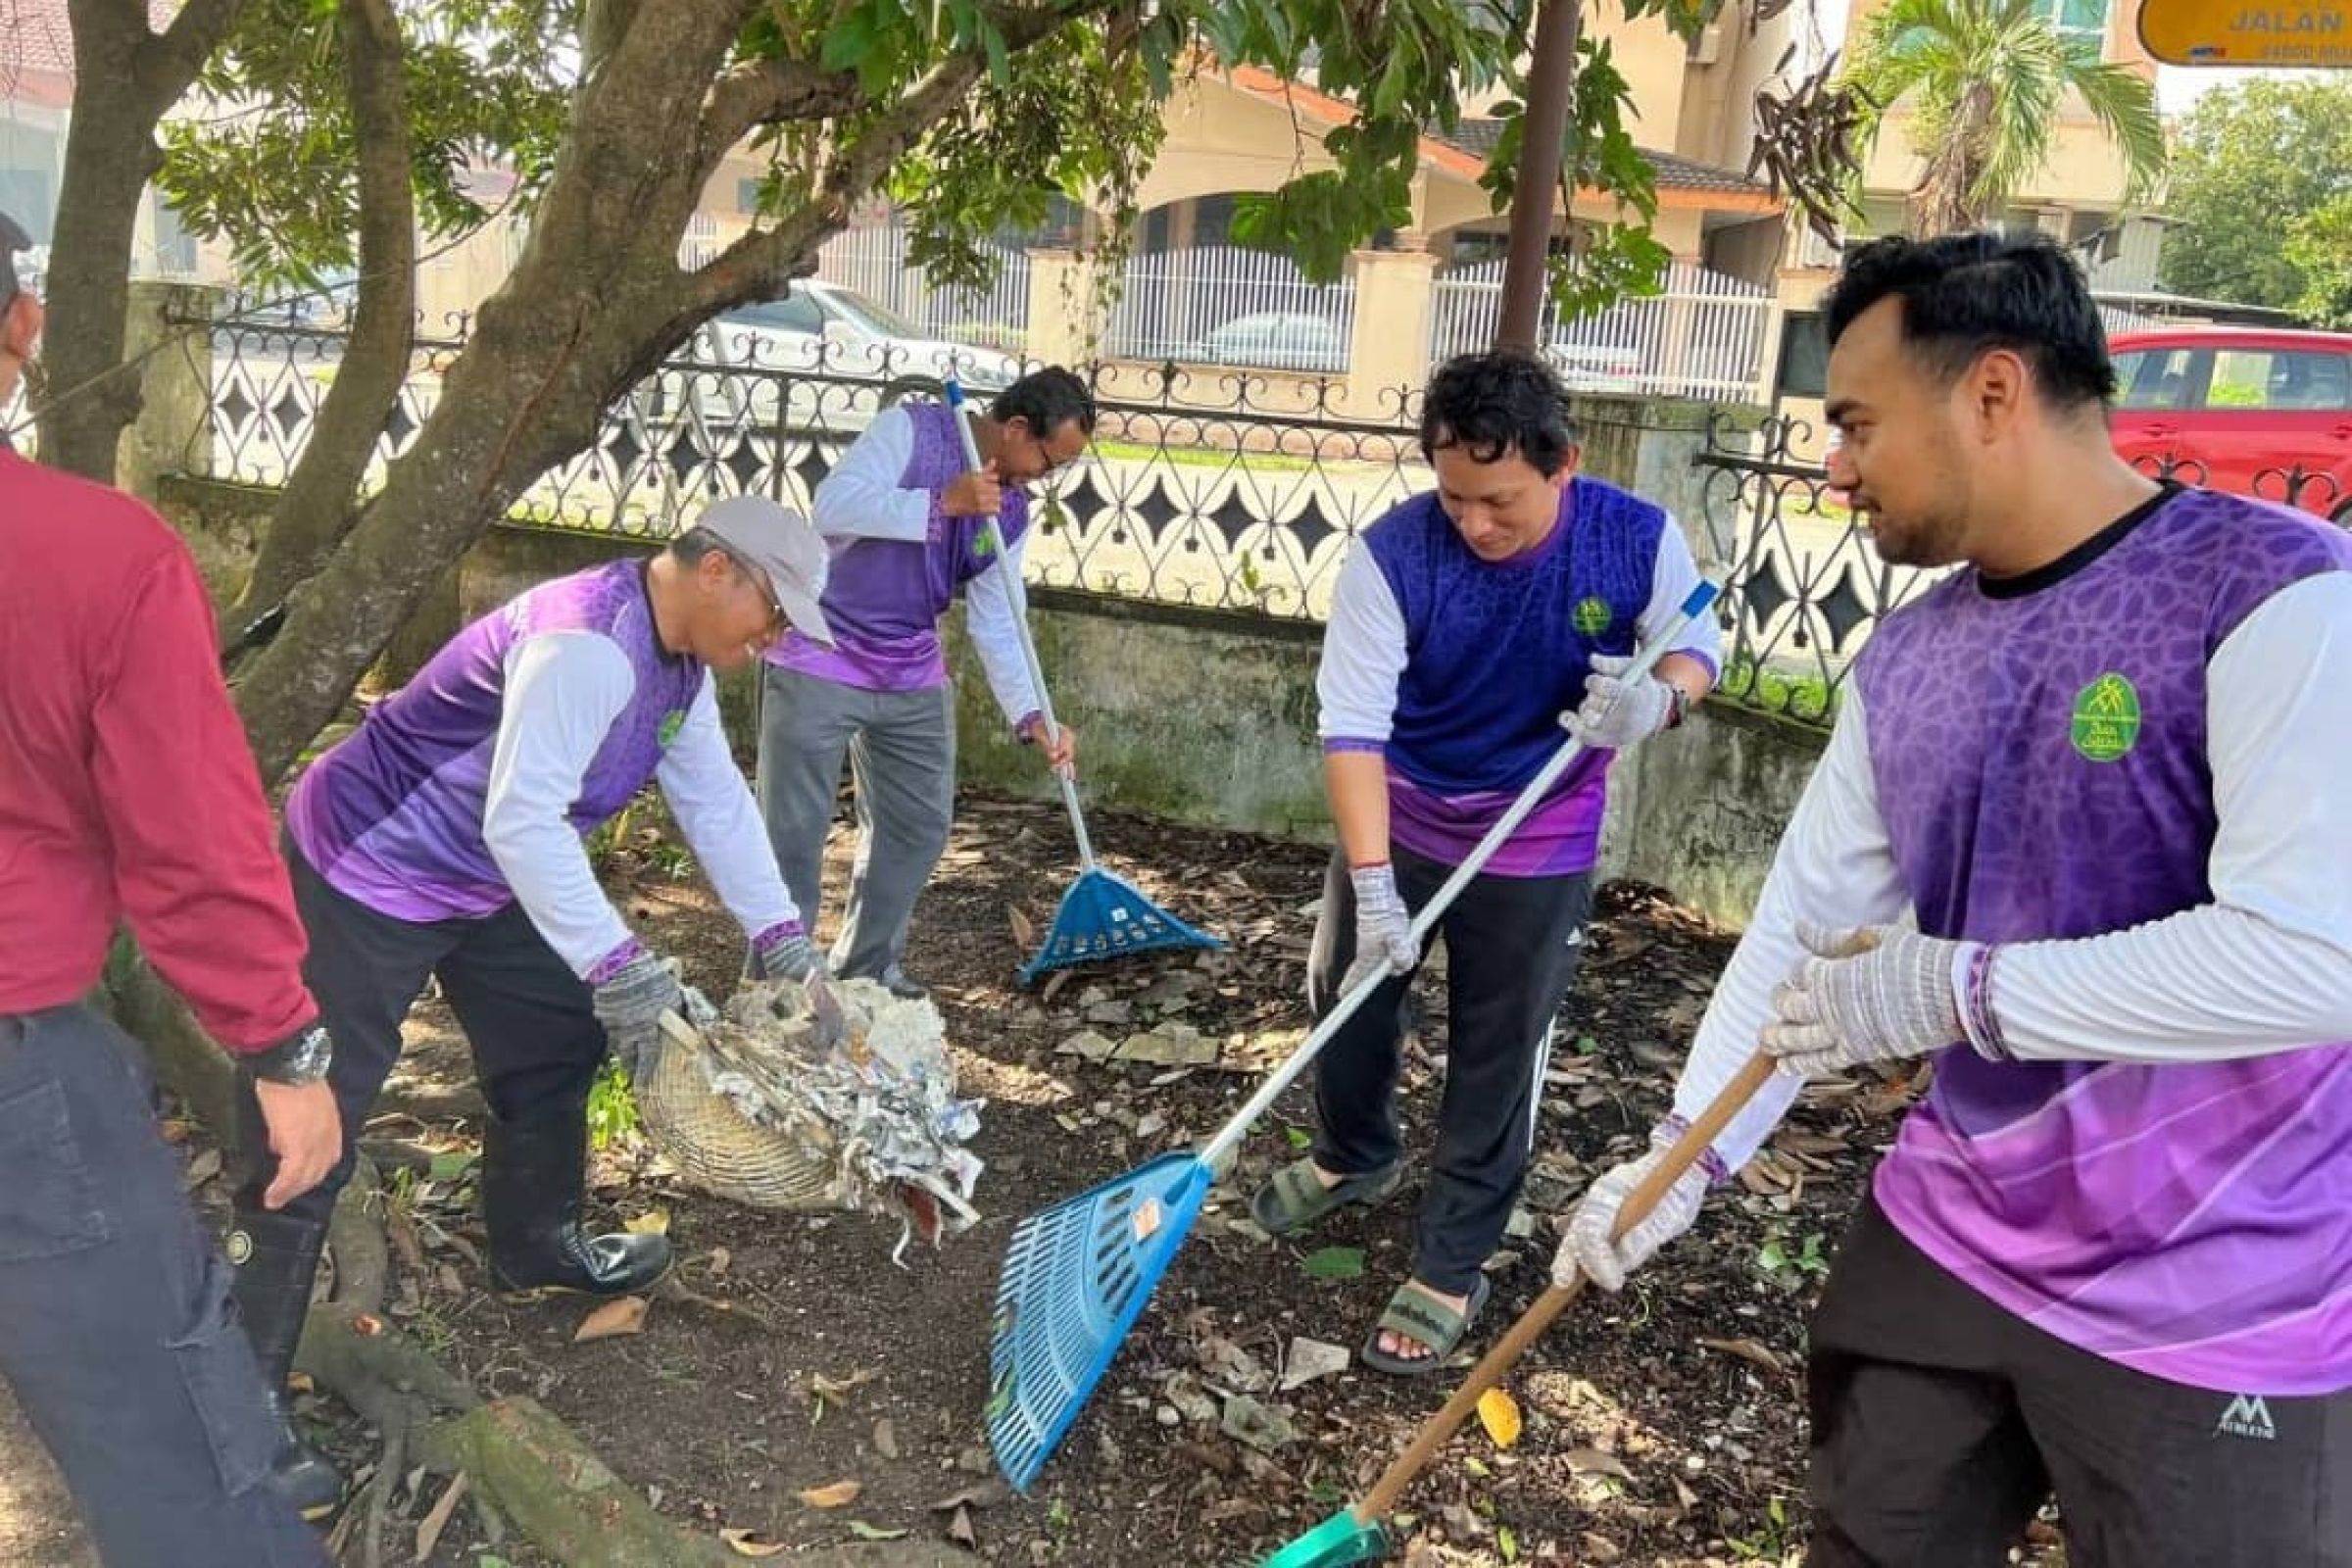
127, 791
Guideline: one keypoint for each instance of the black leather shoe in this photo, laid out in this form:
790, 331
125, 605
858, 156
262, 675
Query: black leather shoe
532, 1171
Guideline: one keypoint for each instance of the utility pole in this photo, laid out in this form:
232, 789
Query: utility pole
1551, 74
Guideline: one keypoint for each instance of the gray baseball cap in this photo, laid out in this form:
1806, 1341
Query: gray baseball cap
780, 542
12, 239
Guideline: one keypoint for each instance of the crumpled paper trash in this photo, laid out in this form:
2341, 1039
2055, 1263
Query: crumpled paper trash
878, 1117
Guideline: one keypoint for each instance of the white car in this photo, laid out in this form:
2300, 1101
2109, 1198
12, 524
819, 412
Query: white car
823, 358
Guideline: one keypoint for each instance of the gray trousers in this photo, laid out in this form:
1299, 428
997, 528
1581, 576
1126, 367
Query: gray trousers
116, 1330
902, 751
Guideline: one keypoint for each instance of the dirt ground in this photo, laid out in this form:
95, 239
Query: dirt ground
1664, 1428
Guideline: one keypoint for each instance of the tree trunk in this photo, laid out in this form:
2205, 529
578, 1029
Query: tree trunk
595, 301
109, 156
1527, 270
322, 493
127, 77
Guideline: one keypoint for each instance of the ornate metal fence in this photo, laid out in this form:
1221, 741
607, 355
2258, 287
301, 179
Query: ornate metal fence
1213, 488
1806, 587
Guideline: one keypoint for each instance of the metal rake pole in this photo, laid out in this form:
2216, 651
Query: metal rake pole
1017, 602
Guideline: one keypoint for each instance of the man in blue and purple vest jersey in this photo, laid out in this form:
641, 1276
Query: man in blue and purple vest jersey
445, 838
904, 517
2073, 838
1464, 628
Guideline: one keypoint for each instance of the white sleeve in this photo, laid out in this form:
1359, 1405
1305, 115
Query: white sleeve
1672, 578
2267, 965
1363, 655
714, 809
990, 615
564, 690
860, 498
1835, 867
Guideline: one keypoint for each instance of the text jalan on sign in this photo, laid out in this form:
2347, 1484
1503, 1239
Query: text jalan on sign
2248, 33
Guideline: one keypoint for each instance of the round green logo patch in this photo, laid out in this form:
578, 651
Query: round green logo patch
671, 723
1594, 615
2106, 723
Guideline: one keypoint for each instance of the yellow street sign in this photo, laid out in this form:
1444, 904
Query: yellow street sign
2300, 33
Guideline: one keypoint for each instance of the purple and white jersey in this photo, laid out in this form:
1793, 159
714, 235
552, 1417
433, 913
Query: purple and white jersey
1457, 670
475, 784
899, 562
2118, 768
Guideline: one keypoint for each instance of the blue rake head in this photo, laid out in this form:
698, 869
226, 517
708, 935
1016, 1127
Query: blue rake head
1105, 915
1076, 1278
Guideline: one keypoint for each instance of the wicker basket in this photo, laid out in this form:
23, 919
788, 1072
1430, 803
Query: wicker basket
719, 1149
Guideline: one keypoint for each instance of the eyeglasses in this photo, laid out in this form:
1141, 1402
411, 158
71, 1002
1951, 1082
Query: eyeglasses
760, 585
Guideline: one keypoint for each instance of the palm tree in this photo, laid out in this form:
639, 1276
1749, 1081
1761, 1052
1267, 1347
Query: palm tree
1986, 79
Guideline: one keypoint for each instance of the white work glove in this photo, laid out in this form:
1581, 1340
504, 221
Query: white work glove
1588, 1248
1617, 712
1876, 994
1383, 927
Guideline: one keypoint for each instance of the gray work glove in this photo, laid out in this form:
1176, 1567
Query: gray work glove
1878, 994
1590, 1247
786, 954
1383, 927
1617, 712
630, 1002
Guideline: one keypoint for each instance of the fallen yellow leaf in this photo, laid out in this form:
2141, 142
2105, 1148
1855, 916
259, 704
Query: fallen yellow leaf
1023, 932
746, 1543
653, 1222
623, 1316
840, 1494
1499, 1413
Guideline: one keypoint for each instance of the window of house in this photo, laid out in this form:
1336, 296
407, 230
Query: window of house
1804, 368
175, 246
2077, 21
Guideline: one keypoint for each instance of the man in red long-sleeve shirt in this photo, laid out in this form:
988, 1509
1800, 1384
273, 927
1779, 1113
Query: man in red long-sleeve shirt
126, 792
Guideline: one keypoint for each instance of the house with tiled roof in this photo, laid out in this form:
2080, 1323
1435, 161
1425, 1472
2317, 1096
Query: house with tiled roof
36, 106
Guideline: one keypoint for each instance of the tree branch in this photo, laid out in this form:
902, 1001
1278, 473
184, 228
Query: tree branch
318, 506
181, 50
763, 258
763, 92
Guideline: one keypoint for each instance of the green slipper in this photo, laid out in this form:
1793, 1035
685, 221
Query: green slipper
1426, 1321
1297, 1198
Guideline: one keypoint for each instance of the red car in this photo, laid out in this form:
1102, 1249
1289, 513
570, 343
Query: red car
2240, 408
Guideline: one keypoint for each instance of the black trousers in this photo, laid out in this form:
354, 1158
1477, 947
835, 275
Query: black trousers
1511, 951
116, 1326
536, 1042
1941, 1422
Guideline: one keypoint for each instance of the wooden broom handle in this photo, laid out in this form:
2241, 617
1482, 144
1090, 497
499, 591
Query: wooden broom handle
1498, 1361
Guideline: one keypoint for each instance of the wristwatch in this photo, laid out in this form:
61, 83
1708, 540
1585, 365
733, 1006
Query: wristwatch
301, 1059
1678, 704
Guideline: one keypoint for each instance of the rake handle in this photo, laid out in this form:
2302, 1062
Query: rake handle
1425, 922
993, 538
1498, 1361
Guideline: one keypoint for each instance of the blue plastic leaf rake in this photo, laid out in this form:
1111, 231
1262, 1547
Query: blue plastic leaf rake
1103, 915
1077, 1275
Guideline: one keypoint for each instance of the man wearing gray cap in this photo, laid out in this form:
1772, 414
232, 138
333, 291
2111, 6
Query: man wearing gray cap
127, 796
444, 838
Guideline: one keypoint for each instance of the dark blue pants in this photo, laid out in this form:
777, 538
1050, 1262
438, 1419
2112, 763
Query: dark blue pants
115, 1328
